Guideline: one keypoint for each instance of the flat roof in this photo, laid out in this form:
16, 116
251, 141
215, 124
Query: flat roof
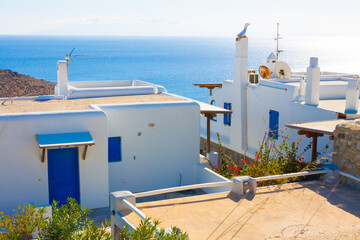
322, 82
27, 106
335, 105
324, 127
208, 108
312, 210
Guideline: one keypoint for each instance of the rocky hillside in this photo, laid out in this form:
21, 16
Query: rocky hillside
13, 83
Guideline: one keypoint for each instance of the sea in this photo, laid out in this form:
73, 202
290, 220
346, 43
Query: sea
174, 62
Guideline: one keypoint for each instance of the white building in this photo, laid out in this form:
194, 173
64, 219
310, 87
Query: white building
93, 138
272, 103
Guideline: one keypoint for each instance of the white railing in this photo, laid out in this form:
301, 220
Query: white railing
242, 181
288, 175
350, 176
134, 209
182, 188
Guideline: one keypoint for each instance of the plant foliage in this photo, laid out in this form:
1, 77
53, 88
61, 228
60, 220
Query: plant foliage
150, 230
70, 221
273, 158
22, 224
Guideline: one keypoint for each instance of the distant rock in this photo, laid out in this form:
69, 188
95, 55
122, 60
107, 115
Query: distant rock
15, 84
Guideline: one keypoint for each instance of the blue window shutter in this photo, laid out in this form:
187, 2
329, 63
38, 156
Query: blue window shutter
114, 149
227, 116
274, 124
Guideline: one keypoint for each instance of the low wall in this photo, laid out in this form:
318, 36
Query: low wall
109, 91
96, 84
346, 149
237, 157
205, 175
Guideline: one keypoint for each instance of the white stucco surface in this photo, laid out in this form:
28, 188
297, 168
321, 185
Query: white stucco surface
24, 178
165, 155
251, 104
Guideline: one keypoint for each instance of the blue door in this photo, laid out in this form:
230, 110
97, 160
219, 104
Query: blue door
274, 124
63, 174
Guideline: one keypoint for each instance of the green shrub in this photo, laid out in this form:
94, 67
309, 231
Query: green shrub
273, 158
71, 221
147, 230
22, 224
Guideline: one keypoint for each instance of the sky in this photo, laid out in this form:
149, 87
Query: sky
179, 17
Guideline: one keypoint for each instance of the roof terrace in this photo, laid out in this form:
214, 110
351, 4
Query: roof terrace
53, 105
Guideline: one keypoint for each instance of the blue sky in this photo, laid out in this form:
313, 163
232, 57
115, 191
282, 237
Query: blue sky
179, 17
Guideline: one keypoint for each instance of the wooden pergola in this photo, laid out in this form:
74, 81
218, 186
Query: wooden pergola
210, 111
316, 129
209, 86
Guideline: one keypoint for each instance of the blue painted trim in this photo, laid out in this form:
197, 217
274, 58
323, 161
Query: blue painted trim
56, 164
61, 139
227, 116
114, 149
274, 124
213, 102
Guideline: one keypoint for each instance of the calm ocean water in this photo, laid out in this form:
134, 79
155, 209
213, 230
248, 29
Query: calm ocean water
174, 62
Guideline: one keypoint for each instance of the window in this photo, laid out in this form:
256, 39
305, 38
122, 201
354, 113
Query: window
227, 116
274, 124
213, 102
114, 149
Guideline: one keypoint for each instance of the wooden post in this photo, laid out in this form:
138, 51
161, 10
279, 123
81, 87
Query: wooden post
208, 133
208, 116
314, 148
43, 155
84, 152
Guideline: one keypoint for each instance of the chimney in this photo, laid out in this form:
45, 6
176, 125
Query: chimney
241, 61
352, 96
238, 98
62, 78
302, 87
270, 64
312, 94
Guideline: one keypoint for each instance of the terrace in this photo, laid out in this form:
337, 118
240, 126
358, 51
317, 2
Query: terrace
321, 209
82, 104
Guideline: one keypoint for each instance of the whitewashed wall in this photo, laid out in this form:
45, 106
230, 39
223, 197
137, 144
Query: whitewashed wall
262, 99
154, 158
24, 179
205, 175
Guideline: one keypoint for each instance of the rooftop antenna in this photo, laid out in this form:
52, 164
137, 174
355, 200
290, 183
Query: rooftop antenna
70, 55
277, 42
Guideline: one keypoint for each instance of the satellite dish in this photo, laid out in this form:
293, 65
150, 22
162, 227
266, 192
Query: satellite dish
282, 70
264, 72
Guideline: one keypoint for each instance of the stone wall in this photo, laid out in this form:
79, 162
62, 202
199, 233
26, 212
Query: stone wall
347, 148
